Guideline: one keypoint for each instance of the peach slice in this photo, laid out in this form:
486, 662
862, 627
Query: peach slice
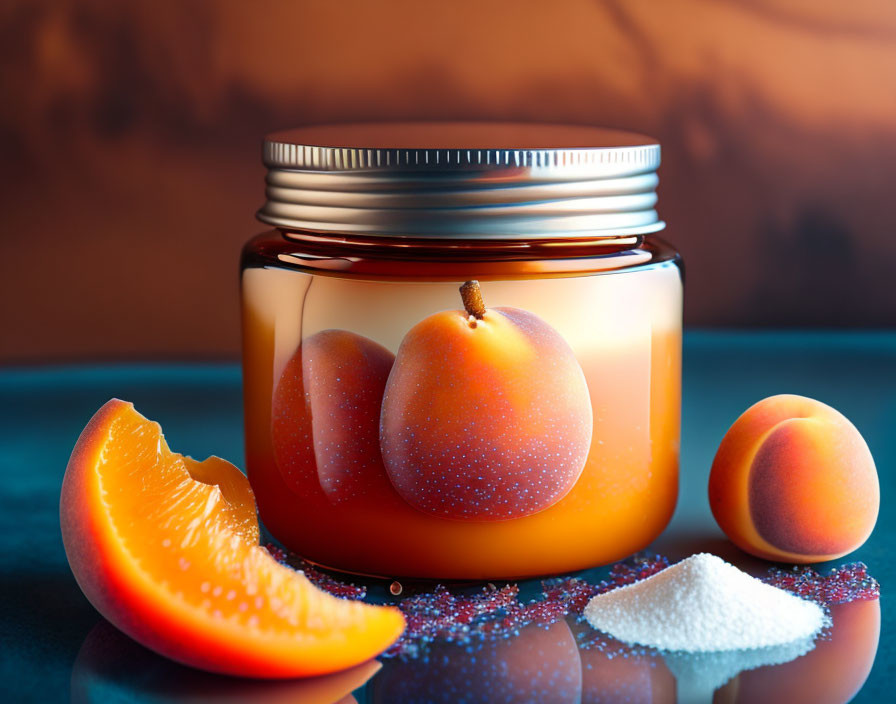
166, 549
794, 481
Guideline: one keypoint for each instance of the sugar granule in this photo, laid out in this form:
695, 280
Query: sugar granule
334, 586
704, 604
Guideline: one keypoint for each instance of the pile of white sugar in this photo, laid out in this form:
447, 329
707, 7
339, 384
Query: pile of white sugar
704, 604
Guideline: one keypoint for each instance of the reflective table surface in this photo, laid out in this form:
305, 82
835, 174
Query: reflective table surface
55, 647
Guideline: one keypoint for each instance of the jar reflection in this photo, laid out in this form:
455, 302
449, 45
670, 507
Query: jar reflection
540, 665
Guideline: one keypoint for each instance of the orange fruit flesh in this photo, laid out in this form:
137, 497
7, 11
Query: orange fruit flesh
167, 549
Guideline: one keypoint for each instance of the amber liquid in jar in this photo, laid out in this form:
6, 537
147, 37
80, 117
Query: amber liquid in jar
370, 464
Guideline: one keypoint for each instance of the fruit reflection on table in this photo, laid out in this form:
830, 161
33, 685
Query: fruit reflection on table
613, 672
538, 665
112, 667
566, 661
831, 673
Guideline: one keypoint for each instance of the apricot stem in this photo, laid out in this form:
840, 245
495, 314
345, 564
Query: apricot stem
472, 298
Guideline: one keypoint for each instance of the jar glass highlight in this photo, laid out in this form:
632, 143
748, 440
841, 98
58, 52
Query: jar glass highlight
398, 427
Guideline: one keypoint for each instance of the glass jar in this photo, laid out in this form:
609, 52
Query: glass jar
462, 349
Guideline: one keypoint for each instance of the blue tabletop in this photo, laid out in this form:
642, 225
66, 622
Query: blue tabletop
52, 639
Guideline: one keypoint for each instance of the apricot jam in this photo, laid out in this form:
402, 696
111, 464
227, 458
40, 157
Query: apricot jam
462, 349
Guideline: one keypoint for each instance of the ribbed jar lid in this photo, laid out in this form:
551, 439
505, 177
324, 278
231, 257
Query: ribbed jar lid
472, 180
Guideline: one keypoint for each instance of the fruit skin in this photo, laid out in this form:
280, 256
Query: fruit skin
794, 481
124, 593
485, 419
325, 416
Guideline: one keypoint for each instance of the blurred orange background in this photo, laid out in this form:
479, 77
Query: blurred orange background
130, 142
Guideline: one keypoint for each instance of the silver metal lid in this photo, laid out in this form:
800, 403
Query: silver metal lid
474, 180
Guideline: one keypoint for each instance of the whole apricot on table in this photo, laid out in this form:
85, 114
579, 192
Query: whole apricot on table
166, 548
326, 416
486, 414
794, 481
